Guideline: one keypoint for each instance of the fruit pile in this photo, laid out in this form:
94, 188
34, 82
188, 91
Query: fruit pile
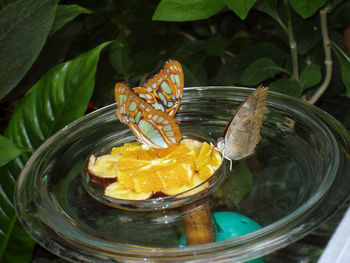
137, 172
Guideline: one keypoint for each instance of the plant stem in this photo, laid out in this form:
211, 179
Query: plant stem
187, 35
328, 57
292, 43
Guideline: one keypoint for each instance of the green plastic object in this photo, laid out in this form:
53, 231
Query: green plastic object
230, 225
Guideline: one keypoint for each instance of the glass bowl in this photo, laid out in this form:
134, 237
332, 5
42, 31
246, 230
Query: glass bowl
297, 178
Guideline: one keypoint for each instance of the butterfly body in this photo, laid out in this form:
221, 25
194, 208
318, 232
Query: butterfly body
148, 110
242, 133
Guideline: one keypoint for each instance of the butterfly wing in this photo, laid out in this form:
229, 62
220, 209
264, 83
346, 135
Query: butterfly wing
151, 126
242, 133
164, 90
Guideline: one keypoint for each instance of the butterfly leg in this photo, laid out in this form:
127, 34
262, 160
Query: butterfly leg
229, 161
223, 155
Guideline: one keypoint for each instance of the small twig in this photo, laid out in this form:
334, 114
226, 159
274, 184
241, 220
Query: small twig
292, 43
328, 57
187, 35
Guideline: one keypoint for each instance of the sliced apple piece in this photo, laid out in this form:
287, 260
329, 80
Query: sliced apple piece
118, 191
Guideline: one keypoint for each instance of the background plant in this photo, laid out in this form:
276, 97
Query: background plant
55, 61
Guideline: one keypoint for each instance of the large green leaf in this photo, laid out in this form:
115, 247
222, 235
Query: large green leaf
24, 27
120, 56
310, 76
307, 33
189, 10
58, 98
345, 73
65, 14
8, 150
240, 7
215, 45
307, 8
270, 7
286, 86
340, 16
260, 70
192, 55
231, 72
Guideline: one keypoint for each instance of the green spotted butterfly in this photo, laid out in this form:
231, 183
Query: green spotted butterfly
148, 110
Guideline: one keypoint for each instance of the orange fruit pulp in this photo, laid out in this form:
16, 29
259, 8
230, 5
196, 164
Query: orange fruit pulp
141, 171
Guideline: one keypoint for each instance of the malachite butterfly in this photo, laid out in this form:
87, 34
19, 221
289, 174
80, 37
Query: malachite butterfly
164, 90
148, 110
242, 133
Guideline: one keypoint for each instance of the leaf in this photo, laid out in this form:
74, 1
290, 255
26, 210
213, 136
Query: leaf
231, 72
286, 86
192, 55
261, 50
65, 14
260, 70
345, 73
240, 7
270, 7
189, 10
307, 33
58, 98
215, 45
24, 27
340, 17
8, 150
120, 56
15, 244
190, 78
307, 8
310, 76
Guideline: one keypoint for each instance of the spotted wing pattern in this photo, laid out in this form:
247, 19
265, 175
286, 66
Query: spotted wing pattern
164, 90
151, 126
242, 132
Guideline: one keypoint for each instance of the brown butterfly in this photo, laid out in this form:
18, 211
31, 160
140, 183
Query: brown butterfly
242, 133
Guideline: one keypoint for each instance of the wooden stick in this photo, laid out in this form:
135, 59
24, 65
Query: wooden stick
197, 222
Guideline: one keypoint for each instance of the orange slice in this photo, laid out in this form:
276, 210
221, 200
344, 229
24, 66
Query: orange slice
208, 161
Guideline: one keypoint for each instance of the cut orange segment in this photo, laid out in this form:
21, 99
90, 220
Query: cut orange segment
208, 161
194, 183
143, 170
193, 145
127, 147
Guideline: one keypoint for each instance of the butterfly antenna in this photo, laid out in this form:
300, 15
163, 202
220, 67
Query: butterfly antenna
213, 146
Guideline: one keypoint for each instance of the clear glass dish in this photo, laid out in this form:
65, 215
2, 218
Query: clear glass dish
297, 178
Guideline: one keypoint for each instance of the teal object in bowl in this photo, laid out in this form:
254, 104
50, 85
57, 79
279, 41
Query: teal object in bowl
230, 225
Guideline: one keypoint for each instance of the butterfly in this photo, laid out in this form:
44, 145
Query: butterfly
148, 110
242, 132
